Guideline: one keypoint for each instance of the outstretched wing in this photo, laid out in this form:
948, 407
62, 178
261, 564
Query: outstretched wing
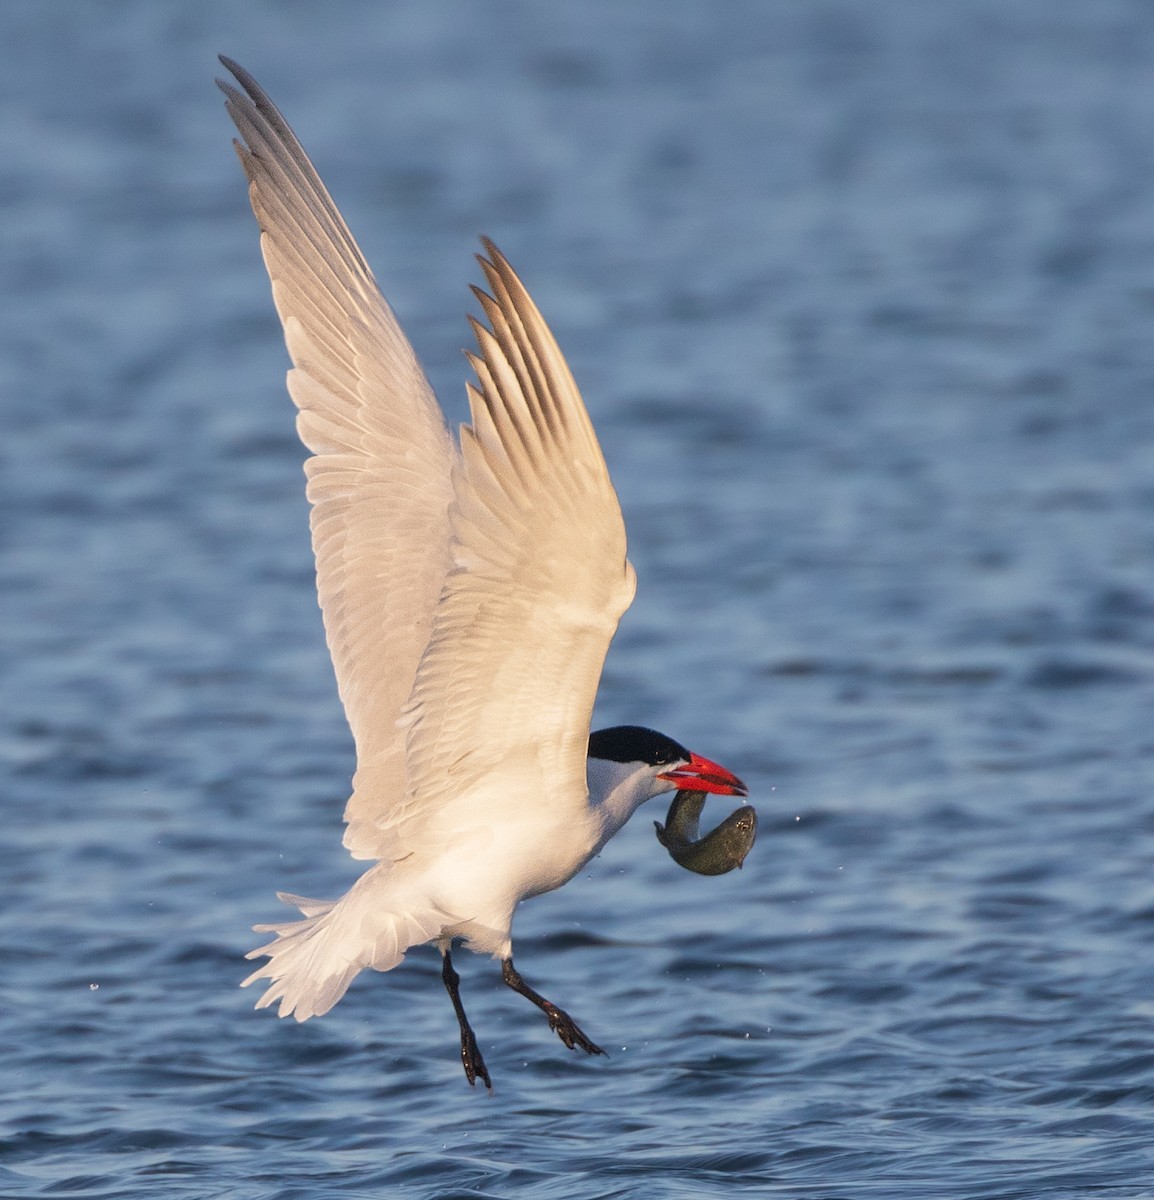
504, 694
380, 475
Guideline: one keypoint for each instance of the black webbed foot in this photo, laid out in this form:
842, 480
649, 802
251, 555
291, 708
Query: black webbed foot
560, 1021
472, 1061
569, 1031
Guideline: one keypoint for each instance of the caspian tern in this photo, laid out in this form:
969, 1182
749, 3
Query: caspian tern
469, 596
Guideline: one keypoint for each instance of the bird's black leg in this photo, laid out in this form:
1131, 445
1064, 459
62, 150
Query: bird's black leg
560, 1022
471, 1058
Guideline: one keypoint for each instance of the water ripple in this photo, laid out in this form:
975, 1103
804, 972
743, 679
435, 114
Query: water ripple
860, 300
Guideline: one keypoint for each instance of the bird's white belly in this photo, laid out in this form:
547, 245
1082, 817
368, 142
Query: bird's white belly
489, 868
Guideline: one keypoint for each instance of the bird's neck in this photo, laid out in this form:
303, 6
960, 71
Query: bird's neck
616, 791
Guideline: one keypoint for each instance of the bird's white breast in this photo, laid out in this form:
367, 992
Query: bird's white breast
513, 848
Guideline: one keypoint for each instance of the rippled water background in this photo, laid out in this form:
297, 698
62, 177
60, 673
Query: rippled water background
862, 301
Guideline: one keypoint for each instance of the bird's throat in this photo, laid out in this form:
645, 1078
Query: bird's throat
616, 791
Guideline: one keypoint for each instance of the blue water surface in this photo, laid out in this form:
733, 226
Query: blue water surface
862, 301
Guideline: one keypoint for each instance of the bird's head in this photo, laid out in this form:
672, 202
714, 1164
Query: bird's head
659, 764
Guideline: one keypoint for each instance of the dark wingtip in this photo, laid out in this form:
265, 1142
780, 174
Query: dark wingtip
233, 67
495, 257
237, 71
253, 89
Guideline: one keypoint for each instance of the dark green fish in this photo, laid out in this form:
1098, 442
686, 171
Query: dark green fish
718, 851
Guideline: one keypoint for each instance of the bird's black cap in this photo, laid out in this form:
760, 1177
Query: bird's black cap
635, 743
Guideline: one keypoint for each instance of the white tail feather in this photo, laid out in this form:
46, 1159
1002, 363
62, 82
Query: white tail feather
312, 962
